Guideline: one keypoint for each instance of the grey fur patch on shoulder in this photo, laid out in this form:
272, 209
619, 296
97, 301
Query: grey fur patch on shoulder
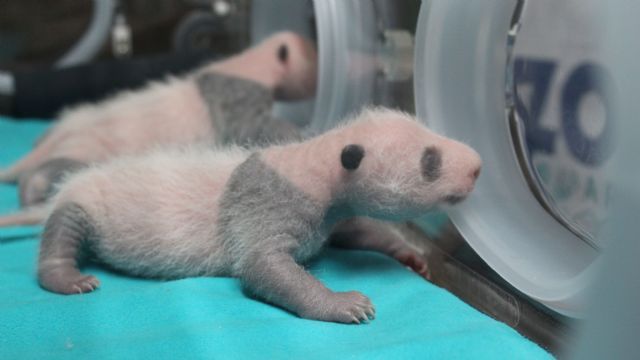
259, 208
241, 111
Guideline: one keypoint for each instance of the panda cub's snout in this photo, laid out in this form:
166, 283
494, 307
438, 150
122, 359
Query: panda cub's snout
459, 177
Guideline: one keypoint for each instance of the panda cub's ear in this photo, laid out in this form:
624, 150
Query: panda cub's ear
352, 156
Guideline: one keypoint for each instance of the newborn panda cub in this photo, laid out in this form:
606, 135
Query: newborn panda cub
256, 215
226, 101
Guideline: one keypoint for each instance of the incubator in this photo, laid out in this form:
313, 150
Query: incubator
529, 84
523, 82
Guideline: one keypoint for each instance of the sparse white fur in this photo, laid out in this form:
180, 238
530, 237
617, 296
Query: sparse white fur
230, 212
179, 189
173, 111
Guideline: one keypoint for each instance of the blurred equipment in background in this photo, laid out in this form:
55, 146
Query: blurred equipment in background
43, 93
76, 51
512, 78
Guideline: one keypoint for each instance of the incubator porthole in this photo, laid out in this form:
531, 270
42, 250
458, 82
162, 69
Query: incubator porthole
560, 89
511, 78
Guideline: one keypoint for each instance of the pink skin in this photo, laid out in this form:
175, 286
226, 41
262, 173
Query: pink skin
387, 184
106, 193
190, 212
175, 212
312, 165
169, 113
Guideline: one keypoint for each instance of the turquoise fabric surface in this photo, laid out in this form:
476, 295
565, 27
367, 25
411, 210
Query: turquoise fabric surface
210, 318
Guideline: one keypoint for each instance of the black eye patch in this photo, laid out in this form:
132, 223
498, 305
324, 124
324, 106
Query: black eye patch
431, 163
283, 53
351, 156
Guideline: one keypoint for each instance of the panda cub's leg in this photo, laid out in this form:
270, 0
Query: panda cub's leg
275, 277
368, 234
66, 231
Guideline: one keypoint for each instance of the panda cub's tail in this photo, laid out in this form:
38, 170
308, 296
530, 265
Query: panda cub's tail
8, 175
34, 215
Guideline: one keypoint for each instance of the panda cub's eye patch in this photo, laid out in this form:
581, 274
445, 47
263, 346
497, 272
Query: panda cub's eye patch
431, 163
351, 156
283, 53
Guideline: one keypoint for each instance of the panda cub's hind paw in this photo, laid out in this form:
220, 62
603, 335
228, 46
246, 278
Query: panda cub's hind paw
69, 285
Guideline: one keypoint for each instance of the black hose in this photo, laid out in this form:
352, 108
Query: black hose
43, 93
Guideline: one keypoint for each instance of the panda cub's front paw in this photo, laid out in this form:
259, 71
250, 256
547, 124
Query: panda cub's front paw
343, 307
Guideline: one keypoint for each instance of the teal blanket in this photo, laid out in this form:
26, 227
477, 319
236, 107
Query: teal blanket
210, 318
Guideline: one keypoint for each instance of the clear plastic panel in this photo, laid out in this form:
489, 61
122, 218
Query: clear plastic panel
563, 105
463, 67
347, 49
365, 54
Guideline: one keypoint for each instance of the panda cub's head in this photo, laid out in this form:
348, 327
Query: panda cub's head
394, 167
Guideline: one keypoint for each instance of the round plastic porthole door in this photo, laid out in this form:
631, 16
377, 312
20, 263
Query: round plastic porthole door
465, 89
